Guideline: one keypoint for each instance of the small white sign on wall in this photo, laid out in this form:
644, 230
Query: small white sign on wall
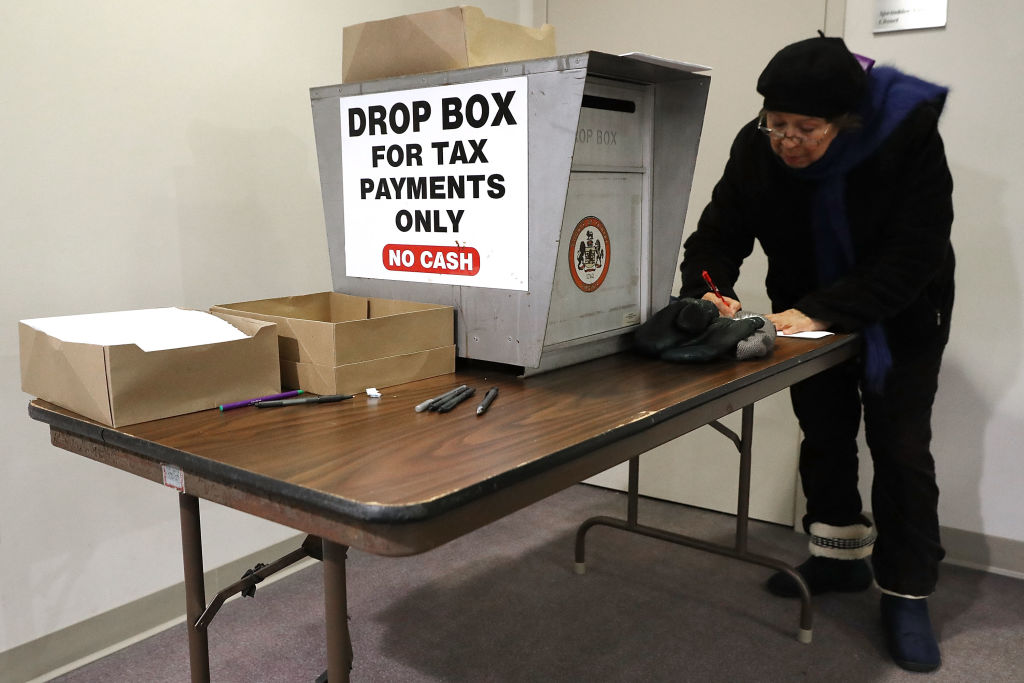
434, 182
904, 15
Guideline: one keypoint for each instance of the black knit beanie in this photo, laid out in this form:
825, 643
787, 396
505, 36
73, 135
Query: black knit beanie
813, 77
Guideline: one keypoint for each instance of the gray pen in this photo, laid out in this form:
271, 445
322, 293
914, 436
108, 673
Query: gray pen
456, 400
488, 399
437, 400
448, 398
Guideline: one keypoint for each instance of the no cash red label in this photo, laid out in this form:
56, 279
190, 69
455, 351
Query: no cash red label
418, 258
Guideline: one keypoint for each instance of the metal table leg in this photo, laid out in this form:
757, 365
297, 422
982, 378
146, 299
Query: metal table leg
742, 522
339, 645
738, 551
195, 590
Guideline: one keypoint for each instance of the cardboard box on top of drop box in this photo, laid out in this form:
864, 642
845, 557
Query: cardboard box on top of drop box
120, 384
333, 343
440, 40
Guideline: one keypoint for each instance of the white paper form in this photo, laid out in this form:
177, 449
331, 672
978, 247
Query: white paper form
152, 329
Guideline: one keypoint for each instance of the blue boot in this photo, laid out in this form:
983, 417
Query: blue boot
908, 633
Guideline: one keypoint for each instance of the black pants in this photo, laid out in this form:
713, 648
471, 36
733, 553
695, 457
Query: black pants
904, 495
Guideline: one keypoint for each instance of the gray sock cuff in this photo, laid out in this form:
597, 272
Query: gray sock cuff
850, 542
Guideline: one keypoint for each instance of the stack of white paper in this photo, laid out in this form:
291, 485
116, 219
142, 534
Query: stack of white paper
152, 329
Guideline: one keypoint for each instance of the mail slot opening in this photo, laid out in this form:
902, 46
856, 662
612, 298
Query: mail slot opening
609, 104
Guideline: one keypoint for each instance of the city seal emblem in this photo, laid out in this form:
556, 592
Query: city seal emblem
590, 251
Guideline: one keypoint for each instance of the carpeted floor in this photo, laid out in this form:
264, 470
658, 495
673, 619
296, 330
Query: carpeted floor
503, 604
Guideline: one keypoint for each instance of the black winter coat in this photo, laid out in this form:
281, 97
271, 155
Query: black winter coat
900, 211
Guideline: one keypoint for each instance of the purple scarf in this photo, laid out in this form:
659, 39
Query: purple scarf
891, 96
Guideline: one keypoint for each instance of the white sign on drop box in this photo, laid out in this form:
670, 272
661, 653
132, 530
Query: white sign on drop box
435, 185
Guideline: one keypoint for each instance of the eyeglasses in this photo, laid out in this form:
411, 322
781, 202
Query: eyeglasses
810, 139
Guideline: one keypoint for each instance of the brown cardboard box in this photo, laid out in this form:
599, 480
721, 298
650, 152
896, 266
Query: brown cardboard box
352, 378
336, 343
453, 38
120, 384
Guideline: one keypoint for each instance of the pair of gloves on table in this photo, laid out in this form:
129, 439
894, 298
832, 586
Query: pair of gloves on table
692, 331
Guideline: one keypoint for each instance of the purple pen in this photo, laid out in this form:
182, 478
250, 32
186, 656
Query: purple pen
254, 401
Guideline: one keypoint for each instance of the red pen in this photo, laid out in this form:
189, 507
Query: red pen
711, 285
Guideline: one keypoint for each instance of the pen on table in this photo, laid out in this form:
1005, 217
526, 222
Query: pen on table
437, 400
251, 401
456, 400
448, 396
711, 285
488, 399
302, 400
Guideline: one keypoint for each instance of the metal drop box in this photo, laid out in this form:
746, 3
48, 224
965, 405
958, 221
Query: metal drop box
579, 210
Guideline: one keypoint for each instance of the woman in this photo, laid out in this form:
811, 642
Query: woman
843, 181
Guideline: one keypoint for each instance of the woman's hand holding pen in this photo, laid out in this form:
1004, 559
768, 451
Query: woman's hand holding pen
727, 307
792, 321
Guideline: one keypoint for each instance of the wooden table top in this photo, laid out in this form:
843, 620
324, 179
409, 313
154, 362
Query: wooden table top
372, 462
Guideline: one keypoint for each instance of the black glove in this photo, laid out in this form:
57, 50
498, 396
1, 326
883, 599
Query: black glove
678, 323
691, 331
717, 341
